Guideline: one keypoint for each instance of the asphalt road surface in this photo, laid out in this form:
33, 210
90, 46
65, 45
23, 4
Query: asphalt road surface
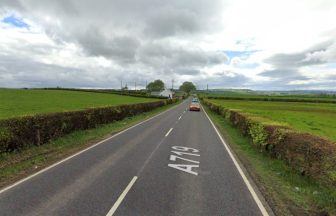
172, 164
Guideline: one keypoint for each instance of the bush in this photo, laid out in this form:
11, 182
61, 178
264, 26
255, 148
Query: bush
308, 154
309, 100
20, 132
133, 93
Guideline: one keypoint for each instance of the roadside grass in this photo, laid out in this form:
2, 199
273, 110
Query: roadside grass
315, 118
21, 102
287, 192
16, 165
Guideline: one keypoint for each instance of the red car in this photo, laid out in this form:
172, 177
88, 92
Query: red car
194, 107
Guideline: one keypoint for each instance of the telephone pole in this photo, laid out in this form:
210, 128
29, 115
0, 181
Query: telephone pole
173, 84
120, 84
135, 86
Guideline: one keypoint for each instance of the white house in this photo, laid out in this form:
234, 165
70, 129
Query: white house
165, 93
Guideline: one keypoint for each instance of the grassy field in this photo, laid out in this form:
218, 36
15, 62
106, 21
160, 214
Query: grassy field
19, 102
286, 191
315, 118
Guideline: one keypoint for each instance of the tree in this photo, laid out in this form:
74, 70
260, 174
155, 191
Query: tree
187, 87
157, 85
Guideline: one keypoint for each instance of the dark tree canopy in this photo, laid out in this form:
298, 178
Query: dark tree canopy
187, 87
157, 85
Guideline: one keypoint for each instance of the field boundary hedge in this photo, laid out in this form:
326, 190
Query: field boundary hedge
310, 100
21, 132
131, 93
308, 154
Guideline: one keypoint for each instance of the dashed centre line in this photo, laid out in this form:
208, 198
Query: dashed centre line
121, 197
168, 132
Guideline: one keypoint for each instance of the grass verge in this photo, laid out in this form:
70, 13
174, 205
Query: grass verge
287, 192
16, 165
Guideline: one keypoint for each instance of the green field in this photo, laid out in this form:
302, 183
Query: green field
315, 118
19, 102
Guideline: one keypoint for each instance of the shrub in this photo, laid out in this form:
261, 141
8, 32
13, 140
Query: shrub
310, 100
16, 133
258, 134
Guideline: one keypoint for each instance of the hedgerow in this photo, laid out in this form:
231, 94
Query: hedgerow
308, 154
133, 93
309, 100
21, 132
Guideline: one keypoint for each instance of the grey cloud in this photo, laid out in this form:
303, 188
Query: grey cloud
311, 56
286, 66
119, 48
282, 77
144, 39
170, 22
279, 73
226, 79
11, 4
187, 71
27, 73
167, 55
139, 36
115, 19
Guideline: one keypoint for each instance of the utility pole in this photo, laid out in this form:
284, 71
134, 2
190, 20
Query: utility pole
146, 84
207, 88
135, 86
173, 84
121, 85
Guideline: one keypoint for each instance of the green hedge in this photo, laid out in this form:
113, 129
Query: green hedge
308, 154
16, 133
307, 100
133, 93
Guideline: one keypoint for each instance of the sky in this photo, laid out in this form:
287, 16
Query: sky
259, 44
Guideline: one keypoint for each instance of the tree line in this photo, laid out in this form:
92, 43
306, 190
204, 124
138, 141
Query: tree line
158, 85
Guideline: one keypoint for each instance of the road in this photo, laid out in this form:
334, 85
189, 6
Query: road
172, 164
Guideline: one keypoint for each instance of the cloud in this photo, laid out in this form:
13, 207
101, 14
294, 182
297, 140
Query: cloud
165, 54
318, 54
118, 48
102, 42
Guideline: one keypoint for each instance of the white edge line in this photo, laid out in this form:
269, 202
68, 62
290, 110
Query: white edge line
80, 152
121, 197
250, 188
168, 132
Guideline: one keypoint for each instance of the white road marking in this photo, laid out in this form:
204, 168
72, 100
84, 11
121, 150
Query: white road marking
179, 117
121, 197
168, 132
80, 152
248, 184
174, 157
185, 153
185, 168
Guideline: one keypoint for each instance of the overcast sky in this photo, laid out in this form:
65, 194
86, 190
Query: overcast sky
259, 44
